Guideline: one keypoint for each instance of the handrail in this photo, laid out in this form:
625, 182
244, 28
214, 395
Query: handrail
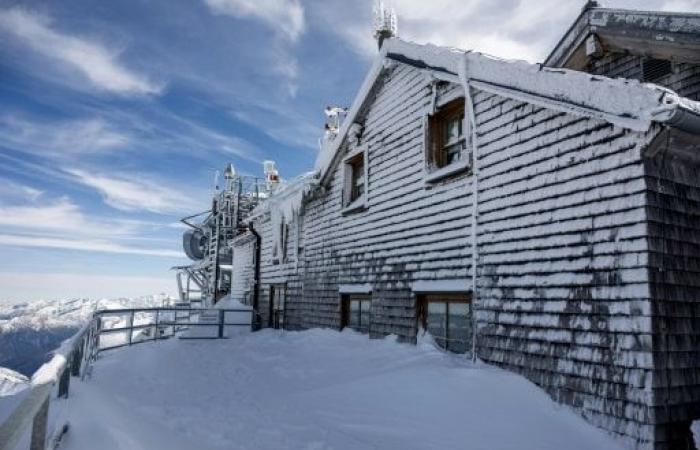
35, 406
75, 356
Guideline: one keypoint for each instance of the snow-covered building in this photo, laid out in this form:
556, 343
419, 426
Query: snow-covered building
544, 218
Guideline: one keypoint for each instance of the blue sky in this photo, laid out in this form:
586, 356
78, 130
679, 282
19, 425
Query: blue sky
115, 115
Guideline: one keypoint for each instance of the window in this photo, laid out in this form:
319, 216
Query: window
655, 69
357, 183
356, 312
277, 306
447, 317
355, 191
447, 141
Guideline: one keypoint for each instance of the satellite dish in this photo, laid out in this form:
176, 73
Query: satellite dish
193, 243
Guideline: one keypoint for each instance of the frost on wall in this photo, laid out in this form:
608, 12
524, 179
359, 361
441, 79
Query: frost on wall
625, 103
284, 206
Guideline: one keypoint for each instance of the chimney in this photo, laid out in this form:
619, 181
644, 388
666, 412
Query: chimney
385, 23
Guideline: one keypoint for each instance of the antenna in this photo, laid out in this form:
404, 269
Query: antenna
385, 23
216, 181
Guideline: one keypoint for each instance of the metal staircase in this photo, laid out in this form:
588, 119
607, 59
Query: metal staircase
211, 270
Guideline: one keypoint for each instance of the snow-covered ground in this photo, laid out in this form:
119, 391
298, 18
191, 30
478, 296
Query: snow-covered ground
317, 389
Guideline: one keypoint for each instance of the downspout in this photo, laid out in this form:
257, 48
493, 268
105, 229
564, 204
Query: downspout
256, 277
471, 126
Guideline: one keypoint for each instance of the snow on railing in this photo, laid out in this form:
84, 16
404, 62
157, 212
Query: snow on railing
107, 329
72, 356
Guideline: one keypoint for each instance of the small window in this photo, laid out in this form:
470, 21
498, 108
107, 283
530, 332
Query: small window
655, 69
355, 191
447, 317
357, 183
447, 135
356, 312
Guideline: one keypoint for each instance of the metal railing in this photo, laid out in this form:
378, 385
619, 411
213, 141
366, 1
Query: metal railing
71, 359
107, 329
122, 327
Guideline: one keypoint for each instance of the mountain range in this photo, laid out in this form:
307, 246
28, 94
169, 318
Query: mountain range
30, 331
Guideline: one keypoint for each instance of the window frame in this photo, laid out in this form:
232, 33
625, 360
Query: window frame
436, 150
345, 311
423, 301
351, 203
357, 188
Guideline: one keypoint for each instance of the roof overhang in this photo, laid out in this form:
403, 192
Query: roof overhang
666, 35
625, 103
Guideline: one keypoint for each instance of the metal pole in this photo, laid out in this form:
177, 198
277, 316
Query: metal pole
76, 360
180, 293
64, 382
471, 126
131, 325
221, 323
155, 334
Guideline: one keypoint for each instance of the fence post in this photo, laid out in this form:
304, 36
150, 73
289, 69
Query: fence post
39, 427
131, 325
77, 358
97, 337
157, 331
221, 323
64, 383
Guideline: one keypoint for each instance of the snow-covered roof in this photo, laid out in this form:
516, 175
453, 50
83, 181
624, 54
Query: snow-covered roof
651, 33
626, 103
287, 198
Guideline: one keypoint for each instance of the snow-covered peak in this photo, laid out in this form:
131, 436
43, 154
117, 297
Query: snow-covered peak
12, 382
45, 314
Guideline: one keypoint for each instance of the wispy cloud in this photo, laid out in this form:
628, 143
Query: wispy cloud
515, 29
42, 222
96, 63
62, 216
12, 191
509, 28
285, 16
61, 138
101, 246
133, 193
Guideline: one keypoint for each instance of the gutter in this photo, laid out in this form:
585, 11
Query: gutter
685, 117
471, 122
256, 278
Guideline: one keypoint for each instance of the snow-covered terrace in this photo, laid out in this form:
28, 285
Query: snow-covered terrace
318, 389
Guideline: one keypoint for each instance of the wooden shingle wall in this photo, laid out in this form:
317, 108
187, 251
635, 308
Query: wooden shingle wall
564, 293
673, 211
409, 231
564, 296
283, 271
